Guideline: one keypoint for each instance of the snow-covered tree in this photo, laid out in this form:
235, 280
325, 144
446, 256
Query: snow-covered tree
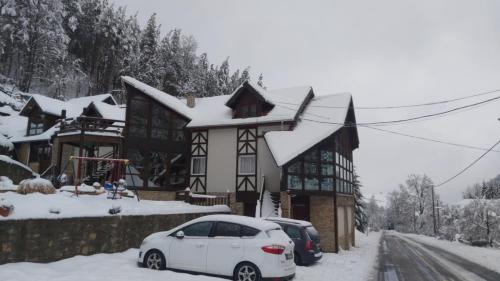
359, 204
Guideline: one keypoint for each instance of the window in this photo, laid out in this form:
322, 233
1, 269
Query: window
224, 229
246, 164
36, 127
138, 121
160, 122
293, 232
201, 229
198, 165
247, 231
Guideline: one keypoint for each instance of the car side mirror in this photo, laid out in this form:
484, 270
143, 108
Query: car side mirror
179, 234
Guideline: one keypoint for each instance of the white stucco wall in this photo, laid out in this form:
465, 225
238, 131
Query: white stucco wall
265, 162
221, 161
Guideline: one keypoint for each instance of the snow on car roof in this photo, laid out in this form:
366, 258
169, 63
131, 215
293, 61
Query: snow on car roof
291, 221
309, 130
248, 221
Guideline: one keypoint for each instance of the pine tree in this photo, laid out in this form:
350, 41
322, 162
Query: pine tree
148, 57
361, 219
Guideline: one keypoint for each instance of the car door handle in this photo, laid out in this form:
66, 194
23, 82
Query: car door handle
235, 245
200, 245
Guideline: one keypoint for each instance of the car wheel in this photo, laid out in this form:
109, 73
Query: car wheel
297, 259
154, 259
247, 272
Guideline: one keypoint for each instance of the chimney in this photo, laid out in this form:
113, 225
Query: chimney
190, 99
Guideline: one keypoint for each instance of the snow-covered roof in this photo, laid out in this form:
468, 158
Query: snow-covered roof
85, 101
286, 145
258, 90
48, 105
213, 111
73, 107
108, 111
166, 99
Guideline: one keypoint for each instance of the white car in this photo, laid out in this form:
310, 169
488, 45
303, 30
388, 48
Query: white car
244, 248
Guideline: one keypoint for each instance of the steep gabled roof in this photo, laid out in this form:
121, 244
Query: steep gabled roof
166, 99
318, 121
256, 90
45, 104
84, 101
107, 111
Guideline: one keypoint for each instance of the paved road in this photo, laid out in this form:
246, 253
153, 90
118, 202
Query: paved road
404, 259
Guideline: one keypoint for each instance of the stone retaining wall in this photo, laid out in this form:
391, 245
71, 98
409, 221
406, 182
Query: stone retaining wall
46, 240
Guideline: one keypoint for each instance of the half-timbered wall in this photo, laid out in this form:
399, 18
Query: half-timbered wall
199, 151
247, 147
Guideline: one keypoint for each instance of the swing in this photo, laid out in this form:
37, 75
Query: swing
115, 175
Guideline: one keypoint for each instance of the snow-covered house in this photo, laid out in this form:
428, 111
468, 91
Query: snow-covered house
289, 142
46, 126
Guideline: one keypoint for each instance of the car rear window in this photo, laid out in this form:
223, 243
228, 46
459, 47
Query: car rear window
293, 232
313, 233
247, 231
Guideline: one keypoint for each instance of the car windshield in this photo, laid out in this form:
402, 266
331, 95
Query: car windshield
313, 233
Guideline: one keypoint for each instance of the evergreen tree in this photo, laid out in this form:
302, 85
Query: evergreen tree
148, 53
361, 219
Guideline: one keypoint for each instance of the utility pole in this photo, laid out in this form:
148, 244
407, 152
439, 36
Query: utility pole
433, 210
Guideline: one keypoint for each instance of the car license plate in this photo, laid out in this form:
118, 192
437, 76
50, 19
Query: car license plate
289, 256
317, 255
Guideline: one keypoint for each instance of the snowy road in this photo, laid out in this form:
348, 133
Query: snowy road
403, 258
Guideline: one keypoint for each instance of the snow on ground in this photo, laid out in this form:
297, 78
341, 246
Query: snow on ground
37, 205
487, 257
354, 265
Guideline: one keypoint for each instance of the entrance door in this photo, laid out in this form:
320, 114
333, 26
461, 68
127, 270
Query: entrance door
300, 207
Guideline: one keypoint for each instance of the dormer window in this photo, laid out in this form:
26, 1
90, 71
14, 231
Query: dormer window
247, 110
35, 127
249, 101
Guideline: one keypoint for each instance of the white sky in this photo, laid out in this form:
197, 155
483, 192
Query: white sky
384, 53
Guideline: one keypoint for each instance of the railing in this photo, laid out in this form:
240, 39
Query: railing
91, 124
202, 199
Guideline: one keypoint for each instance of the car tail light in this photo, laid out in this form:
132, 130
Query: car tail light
274, 249
308, 246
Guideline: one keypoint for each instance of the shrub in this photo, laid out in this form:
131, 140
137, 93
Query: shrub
36, 185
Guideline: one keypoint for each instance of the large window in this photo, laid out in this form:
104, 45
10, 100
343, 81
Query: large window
321, 169
156, 144
246, 164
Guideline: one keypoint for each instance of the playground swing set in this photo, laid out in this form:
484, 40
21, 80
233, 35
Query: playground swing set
115, 180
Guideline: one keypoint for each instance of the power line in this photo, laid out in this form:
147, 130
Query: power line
399, 121
430, 140
468, 166
401, 106
406, 135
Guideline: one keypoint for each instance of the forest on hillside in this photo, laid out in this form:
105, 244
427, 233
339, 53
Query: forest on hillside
68, 48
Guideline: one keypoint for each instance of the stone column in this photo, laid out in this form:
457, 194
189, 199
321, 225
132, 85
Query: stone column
321, 211
286, 205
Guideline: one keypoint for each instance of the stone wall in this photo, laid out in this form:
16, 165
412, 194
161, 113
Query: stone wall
322, 217
15, 172
46, 240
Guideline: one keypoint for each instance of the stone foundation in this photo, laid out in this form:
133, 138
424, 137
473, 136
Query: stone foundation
157, 195
46, 240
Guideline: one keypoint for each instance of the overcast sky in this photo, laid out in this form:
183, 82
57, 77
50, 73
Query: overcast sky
384, 53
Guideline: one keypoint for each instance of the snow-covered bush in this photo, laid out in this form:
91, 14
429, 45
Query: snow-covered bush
36, 185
